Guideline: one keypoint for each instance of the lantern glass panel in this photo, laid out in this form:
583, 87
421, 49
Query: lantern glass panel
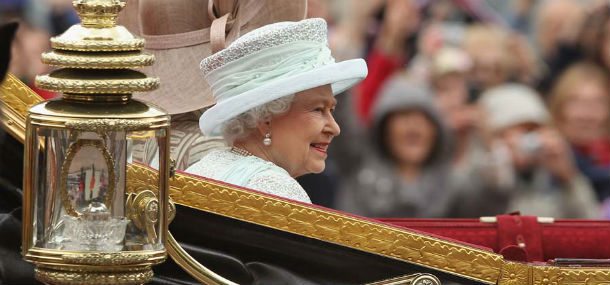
80, 191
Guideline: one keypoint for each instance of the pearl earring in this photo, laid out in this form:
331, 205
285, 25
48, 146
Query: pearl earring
267, 140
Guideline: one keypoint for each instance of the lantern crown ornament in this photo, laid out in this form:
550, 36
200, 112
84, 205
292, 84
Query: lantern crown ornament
82, 224
98, 13
96, 57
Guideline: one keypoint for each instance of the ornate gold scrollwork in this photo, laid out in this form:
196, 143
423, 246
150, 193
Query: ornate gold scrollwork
74, 148
15, 100
514, 273
143, 210
55, 276
109, 86
133, 60
107, 124
97, 45
105, 258
414, 279
421, 249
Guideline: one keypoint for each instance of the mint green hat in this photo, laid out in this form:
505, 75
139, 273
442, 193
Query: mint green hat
270, 62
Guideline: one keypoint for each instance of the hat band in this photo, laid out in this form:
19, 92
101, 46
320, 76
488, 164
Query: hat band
259, 68
201, 36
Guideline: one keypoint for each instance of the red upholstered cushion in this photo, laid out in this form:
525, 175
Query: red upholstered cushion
576, 239
540, 241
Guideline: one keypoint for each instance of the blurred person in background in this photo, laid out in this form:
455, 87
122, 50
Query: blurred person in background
558, 22
474, 171
499, 56
449, 78
595, 35
487, 45
354, 23
572, 31
545, 178
405, 167
39, 20
30, 42
579, 103
449, 81
390, 51
432, 38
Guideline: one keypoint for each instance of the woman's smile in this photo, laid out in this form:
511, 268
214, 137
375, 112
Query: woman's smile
302, 134
320, 147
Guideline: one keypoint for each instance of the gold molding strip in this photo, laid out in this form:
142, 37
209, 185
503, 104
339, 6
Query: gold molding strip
16, 98
96, 86
114, 61
514, 273
306, 220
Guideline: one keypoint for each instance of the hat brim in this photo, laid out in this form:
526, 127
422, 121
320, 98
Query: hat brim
340, 76
182, 87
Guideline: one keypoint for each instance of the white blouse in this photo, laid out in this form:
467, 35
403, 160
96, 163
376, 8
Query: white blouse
250, 172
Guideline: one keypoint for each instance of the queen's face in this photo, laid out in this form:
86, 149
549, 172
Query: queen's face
300, 137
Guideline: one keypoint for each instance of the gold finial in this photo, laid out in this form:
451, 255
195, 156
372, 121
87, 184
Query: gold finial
98, 13
96, 57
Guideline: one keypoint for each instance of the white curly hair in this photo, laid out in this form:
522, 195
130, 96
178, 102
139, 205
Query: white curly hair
241, 126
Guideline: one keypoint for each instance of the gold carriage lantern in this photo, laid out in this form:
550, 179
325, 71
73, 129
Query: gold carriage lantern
79, 224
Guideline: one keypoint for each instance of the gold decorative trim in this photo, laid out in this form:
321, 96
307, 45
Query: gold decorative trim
302, 219
322, 224
16, 98
74, 148
108, 125
514, 273
106, 258
96, 61
585, 276
53, 276
101, 45
114, 86
58, 259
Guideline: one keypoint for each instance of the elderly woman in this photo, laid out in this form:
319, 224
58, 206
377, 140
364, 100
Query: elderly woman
275, 90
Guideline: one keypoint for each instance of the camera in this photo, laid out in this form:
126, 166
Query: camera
529, 143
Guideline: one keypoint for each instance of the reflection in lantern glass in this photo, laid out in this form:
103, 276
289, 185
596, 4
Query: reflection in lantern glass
87, 179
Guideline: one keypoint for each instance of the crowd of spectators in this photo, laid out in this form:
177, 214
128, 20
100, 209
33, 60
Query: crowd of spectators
471, 107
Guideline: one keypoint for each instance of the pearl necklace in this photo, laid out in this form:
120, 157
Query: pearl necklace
241, 151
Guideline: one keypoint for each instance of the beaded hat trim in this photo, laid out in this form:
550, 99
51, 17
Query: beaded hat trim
313, 30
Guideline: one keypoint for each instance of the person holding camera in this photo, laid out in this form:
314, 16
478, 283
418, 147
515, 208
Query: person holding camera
544, 179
